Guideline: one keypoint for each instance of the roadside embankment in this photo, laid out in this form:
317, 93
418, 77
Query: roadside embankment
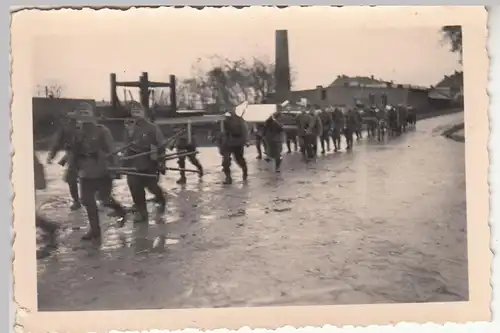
438, 113
455, 132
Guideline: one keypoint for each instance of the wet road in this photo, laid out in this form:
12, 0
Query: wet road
385, 223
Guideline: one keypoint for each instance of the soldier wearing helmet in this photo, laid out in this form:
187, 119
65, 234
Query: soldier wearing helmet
273, 134
358, 120
327, 122
233, 142
338, 128
184, 143
144, 136
91, 156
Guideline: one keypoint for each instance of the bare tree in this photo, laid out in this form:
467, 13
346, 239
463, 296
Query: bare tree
50, 90
229, 82
453, 35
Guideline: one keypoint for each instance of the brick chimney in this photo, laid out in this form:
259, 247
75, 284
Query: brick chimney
282, 66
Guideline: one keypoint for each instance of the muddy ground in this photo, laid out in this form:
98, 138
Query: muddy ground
383, 224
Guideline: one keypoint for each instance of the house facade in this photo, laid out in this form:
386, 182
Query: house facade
346, 95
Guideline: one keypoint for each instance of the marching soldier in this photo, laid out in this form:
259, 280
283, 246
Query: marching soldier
291, 138
303, 123
338, 128
233, 143
273, 133
291, 132
186, 144
64, 138
351, 126
327, 127
145, 140
92, 156
260, 143
359, 120
315, 130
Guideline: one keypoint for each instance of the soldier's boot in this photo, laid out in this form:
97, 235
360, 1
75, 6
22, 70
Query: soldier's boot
182, 180
278, 164
94, 232
73, 190
141, 216
75, 206
119, 212
244, 170
199, 167
259, 153
161, 206
228, 180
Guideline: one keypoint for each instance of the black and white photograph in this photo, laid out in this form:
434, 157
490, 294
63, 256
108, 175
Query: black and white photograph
247, 162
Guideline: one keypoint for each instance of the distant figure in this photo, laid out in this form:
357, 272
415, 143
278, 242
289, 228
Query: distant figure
358, 126
315, 130
412, 117
392, 118
338, 128
233, 143
371, 121
351, 126
291, 133
258, 130
64, 139
184, 144
403, 117
381, 124
304, 121
273, 134
327, 128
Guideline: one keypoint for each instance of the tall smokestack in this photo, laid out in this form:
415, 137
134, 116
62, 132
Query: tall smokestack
282, 67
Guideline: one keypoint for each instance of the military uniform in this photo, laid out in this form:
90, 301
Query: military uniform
351, 126
392, 118
372, 121
259, 139
273, 133
183, 144
91, 156
338, 128
233, 143
327, 127
64, 138
358, 123
403, 117
315, 131
304, 121
144, 136
290, 133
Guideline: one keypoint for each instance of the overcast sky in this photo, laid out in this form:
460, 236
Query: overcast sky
80, 52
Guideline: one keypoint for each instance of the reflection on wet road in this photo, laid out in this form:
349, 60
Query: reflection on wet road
385, 223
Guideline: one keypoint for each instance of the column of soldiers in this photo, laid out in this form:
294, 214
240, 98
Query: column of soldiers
328, 125
93, 161
311, 126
